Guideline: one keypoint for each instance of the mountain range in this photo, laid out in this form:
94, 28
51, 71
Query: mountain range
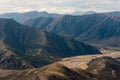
100, 28
23, 47
22, 17
30, 51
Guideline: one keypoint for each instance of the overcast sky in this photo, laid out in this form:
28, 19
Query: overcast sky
59, 6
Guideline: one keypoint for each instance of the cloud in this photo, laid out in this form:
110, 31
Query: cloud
59, 6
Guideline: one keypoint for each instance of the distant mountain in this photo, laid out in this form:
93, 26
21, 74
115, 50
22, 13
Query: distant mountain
40, 22
83, 13
101, 28
104, 68
22, 17
117, 13
24, 47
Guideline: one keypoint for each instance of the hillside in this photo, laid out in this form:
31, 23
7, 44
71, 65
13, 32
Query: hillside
83, 60
101, 28
23, 47
104, 68
53, 71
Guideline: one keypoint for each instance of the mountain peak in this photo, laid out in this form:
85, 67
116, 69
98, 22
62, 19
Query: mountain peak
83, 13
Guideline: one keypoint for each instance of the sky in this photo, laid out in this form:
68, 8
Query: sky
59, 6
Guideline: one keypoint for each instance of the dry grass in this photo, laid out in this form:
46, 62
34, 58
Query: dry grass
81, 61
72, 62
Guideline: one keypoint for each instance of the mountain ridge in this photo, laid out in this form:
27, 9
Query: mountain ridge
22, 17
102, 28
36, 47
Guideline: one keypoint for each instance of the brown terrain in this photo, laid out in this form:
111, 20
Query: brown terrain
81, 61
89, 67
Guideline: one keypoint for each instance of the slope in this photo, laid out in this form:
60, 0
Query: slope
36, 47
101, 28
104, 68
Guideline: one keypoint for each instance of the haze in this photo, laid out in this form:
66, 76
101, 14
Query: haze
59, 6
